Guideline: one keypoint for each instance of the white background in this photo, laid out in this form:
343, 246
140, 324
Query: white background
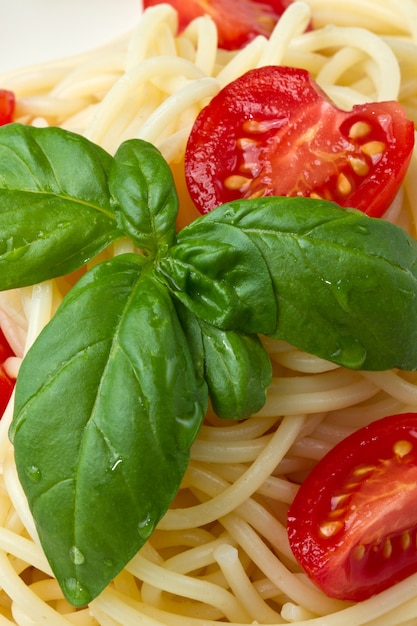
33, 31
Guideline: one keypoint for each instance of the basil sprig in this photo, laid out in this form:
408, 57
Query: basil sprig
110, 397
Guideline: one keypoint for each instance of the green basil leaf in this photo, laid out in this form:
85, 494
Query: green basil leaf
142, 184
103, 423
346, 283
236, 366
221, 276
55, 210
238, 372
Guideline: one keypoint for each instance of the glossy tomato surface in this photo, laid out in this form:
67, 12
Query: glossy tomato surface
274, 132
237, 21
353, 524
7, 106
6, 383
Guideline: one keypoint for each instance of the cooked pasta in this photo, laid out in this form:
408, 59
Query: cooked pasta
221, 552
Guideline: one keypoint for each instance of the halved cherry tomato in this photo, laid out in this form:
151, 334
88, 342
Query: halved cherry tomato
353, 523
7, 105
273, 131
237, 21
6, 383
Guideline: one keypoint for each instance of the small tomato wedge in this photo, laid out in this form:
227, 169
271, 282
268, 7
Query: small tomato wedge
6, 383
353, 523
7, 105
237, 21
273, 131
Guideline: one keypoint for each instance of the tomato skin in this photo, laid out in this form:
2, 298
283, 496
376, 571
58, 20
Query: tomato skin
353, 523
6, 389
6, 383
237, 21
7, 106
273, 131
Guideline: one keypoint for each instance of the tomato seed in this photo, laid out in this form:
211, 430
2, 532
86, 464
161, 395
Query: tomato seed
259, 193
251, 168
365, 469
360, 167
252, 126
339, 499
359, 130
328, 529
352, 486
405, 541
373, 147
245, 143
359, 552
402, 448
236, 182
387, 550
343, 185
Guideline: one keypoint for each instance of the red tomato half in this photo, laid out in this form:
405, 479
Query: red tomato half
237, 21
7, 104
274, 132
353, 524
6, 383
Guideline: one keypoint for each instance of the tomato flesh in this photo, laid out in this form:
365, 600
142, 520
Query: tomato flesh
273, 131
353, 524
7, 106
6, 382
237, 21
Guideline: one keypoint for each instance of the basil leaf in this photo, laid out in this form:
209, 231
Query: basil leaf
104, 422
141, 182
55, 211
221, 276
236, 366
238, 372
346, 283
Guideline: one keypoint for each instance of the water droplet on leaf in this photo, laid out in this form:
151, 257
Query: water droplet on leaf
146, 526
115, 463
33, 473
351, 353
361, 229
76, 592
76, 556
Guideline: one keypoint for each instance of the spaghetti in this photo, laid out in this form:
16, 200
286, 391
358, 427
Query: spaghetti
221, 553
